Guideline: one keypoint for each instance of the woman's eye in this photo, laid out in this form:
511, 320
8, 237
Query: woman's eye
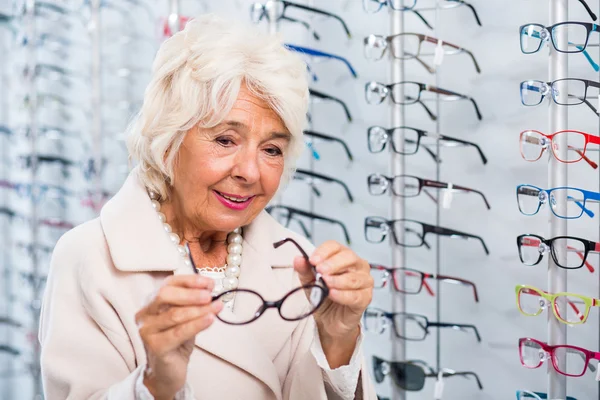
224, 141
273, 151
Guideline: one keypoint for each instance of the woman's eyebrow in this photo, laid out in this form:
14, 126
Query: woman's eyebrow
273, 135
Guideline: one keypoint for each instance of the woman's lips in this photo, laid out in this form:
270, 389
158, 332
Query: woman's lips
234, 205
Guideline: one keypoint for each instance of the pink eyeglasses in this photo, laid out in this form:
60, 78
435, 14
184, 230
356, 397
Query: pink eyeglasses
533, 353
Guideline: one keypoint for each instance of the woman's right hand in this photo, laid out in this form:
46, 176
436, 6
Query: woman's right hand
168, 325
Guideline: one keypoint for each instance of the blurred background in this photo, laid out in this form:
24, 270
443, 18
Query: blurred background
73, 73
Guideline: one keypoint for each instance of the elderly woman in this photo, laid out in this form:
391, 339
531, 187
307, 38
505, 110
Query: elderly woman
161, 297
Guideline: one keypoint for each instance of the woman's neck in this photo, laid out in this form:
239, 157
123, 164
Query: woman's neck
190, 230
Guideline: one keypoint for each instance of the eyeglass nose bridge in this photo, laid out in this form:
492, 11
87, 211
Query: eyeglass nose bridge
385, 368
544, 35
545, 89
543, 248
543, 355
543, 197
544, 142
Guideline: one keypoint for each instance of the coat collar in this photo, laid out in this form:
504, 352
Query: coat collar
137, 243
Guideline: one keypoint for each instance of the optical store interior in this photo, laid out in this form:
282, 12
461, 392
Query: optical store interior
452, 144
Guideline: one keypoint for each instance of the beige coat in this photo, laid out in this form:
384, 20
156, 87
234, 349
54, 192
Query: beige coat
103, 271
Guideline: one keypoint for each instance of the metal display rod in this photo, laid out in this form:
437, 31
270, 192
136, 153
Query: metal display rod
557, 176
174, 19
397, 168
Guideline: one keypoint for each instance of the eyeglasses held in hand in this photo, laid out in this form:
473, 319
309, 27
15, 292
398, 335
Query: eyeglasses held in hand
297, 304
312, 179
416, 46
564, 92
378, 137
534, 143
373, 6
411, 281
528, 395
377, 229
376, 93
416, 326
410, 375
533, 247
259, 11
412, 186
533, 36
317, 53
291, 213
565, 202
324, 96
567, 307
533, 353
322, 136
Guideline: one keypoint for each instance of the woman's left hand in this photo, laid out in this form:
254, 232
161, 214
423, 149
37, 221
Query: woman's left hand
350, 291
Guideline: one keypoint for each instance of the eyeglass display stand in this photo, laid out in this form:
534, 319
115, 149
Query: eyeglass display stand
557, 176
29, 20
398, 209
174, 20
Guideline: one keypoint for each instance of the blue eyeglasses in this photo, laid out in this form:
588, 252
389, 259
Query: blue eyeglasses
533, 36
565, 202
318, 53
526, 394
564, 92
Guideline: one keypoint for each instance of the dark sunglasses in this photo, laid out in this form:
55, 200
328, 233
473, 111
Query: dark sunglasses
312, 295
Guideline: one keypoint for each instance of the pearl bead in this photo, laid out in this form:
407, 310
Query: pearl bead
233, 270
155, 205
228, 297
167, 227
162, 217
174, 237
217, 290
153, 195
182, 251
237, 230
234, 259
234, 238
230, 282
234, 248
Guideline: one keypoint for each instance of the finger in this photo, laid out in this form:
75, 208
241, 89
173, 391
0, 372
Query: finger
304, 270
177, 316
340, 262
349, 281
190, 281
355, 299
169, 296
324, 251
176, 336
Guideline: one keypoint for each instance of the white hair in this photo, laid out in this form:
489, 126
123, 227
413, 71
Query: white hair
196, 78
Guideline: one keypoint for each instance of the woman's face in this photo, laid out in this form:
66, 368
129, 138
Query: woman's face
226, 175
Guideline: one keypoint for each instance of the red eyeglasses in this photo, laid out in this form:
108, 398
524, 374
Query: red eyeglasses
533, 353
534, 143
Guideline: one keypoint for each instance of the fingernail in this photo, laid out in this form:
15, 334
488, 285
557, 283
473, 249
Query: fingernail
204, 296
315, 259
323, 268
216, 306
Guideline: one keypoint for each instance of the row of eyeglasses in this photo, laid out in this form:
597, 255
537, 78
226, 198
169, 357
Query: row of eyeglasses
567, 252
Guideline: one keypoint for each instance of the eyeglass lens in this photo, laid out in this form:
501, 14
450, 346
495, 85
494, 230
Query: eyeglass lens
532, 355
565, 202
533, 144
569, 309
531, 247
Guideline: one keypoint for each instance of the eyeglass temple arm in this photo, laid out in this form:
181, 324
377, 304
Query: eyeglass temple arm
322, 12
456, 326
333, 139
582, 256
586, 210
451, 232
292, 241
419, 235
307, 214
324, 96
427, 149
4, 348
587, 103
456, 280
328, 179
10, 322
462, 49
589, 10
420, 16
453, 139
414, 273
435, 89
429, 112
472, 9
304, 24
318, 53
444, 185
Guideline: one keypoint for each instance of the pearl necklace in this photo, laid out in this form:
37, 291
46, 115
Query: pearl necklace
234, 254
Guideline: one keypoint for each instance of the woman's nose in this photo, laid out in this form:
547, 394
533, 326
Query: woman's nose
246, 167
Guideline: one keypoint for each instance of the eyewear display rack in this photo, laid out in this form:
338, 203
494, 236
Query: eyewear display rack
557, 177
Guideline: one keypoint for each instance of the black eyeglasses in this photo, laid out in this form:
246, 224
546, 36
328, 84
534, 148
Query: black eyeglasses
252, 305
416, 326
376, 92
259, 11
290, 213
373, 6
328, 138
311, 178
412, 186
324, 96
377, 228
410, 375
378, 137
532, 249
564, 92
